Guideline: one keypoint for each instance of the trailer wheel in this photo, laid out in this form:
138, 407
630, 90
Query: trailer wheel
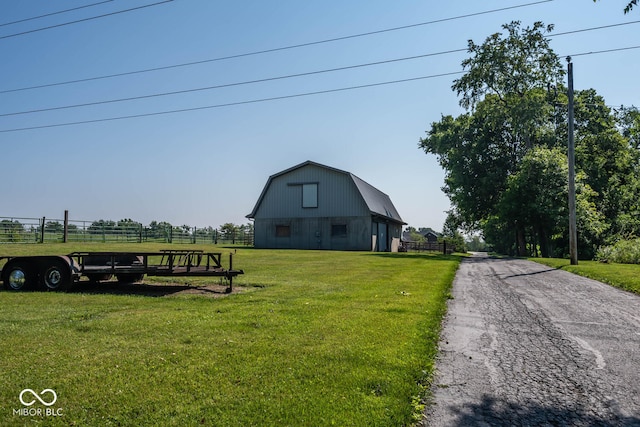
129, 277
17, 276
56, 276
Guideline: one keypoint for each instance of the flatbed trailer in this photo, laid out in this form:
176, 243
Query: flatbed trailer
61, 272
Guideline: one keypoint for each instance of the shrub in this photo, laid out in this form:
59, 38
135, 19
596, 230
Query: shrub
623, 252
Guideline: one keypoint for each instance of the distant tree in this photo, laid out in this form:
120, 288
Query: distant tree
204, 231
10, 230
158, 230
476, 244
101, 226
451, 232
246, 228
228, 231
53, 227
128, 224
10, 225
415, 235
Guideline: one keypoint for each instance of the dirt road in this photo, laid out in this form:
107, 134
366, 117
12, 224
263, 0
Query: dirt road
524, 344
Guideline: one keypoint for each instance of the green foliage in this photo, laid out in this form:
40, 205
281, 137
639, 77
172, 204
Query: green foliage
629, 120
536, 194
623, 252
316, 338
11, 230
511, 65
475, 244
629, 6
505, 159
53, 227
415, 235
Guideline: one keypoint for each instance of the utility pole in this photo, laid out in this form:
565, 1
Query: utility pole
573, 233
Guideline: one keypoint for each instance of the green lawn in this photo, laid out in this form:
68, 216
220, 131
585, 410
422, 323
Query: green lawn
624, 276
317, 338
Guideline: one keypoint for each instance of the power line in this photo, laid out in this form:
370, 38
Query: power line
602, 27
53, 13
268, 79
272, 50
84, 19
258, 81
299, 75
604, 51
275, 98
230, 104
277, 49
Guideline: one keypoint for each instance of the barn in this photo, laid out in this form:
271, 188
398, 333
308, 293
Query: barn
313, 206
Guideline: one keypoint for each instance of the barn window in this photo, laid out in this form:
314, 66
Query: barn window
283, 231
310, 195
338, 230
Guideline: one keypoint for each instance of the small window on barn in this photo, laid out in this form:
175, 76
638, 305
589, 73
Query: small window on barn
283, 231
338, 230
309, 195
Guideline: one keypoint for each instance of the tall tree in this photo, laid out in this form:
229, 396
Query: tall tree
505, 158
505, 92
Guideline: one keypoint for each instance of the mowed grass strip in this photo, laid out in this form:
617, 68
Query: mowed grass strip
624, 276
322, 338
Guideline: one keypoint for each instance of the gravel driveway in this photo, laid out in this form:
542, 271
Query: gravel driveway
527, 345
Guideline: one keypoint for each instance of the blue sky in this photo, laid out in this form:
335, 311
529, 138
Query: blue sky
208, 167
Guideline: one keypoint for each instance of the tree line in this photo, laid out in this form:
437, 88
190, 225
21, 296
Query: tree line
505, 158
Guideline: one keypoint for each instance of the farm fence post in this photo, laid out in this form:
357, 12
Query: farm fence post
42, 230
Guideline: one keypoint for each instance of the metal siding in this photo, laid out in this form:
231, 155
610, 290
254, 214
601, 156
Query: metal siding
337, 195
314, 233
340, 201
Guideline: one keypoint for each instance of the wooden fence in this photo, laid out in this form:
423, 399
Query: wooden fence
443, 247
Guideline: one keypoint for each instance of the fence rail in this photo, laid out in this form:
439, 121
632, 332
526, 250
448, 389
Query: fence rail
41, 230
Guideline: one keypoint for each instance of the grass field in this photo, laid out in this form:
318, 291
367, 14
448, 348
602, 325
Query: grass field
315, 339
624, 276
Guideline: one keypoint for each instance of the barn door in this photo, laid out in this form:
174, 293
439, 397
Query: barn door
315, 234
383, 245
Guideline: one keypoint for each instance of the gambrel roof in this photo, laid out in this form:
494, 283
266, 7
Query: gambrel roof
378, 203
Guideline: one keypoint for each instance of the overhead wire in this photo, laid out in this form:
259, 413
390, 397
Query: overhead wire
54, 13
605, 51
260, 100
84, 19
281, 77
602, 27
309, 73
230, 104
220, 86
276, 49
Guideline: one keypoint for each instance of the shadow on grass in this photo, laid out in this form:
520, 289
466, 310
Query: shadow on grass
432, 256
151, 290
499, 412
